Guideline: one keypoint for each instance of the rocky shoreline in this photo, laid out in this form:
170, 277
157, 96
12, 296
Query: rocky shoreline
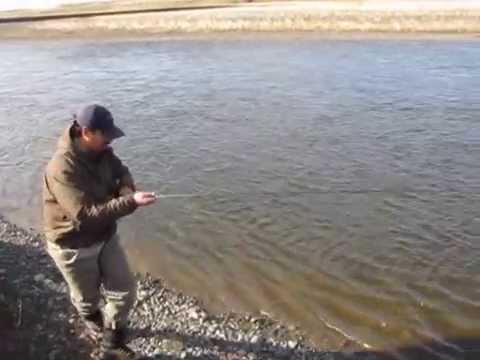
37, 320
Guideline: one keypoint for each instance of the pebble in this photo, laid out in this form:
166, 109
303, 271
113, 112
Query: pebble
39, 278
292, 344
193, 314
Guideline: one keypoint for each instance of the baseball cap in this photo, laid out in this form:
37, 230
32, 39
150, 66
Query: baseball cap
97, 117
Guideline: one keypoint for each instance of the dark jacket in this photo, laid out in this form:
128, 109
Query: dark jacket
84, 195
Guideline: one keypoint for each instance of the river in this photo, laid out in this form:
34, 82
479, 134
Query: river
336, 179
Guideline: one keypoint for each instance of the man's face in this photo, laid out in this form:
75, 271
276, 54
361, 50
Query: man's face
96, 140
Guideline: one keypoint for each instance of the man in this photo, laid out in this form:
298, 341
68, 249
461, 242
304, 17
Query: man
86, 190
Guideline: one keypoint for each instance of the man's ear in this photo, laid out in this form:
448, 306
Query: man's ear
86, 133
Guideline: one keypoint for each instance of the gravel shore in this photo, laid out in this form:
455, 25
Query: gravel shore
37, 320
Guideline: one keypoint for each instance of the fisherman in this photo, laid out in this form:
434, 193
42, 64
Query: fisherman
86, 189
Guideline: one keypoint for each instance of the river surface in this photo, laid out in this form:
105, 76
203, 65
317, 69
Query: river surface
337, 180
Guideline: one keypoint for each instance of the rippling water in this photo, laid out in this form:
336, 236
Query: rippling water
338, 178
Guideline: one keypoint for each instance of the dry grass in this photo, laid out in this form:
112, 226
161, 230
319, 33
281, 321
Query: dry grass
116, 6
321, 16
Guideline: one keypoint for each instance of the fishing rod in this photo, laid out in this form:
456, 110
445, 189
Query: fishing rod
169, 196
311, 192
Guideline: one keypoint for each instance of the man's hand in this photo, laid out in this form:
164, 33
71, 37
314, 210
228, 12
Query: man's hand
144, 198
